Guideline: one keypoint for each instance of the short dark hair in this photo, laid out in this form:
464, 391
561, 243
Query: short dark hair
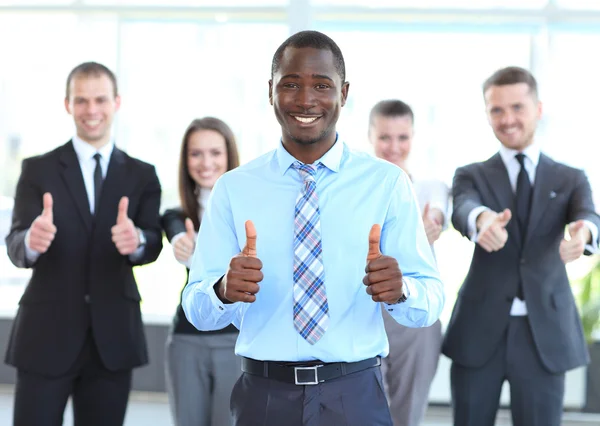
187, 187
315, 40
91, 69
512, 75
391, 108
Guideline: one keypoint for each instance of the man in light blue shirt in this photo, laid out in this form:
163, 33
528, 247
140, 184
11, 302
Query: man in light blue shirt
299, 288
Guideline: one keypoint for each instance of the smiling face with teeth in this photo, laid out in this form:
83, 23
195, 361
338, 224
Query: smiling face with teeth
307, 94
513, 112
93, 104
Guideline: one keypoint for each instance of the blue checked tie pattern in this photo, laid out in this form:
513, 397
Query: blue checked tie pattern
311, 310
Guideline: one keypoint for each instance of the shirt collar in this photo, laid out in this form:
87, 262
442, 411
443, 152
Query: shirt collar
331, 159
532, 152
85, 151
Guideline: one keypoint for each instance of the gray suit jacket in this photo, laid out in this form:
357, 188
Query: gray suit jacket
561, 194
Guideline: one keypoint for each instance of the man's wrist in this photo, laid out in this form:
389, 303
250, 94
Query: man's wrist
219, 289
482, 219
405, 294
141, 237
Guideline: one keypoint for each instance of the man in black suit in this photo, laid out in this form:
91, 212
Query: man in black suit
84, 215
515, 317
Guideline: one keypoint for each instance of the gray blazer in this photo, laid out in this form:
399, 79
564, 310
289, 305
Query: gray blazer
480, 317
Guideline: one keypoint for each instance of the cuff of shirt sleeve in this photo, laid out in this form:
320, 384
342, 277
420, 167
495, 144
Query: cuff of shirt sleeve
30, 254
472, 222
220, 306
137, 255
408, 289
593, 247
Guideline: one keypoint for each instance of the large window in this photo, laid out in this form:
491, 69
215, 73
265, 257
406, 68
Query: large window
180, 60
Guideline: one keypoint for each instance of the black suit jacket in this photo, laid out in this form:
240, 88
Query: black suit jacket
82, 281
561, 194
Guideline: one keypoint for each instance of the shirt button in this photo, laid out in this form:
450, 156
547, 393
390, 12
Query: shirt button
220, 308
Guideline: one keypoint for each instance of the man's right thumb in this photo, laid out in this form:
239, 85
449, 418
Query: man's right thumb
505, 217
47, 212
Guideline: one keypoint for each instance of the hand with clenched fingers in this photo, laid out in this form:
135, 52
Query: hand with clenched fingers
240, 284
383, 278
43, 230
492, 229
433, 227
573, 248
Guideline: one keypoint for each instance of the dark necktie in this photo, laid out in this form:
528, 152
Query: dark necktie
523, 195
97, 182
523, 201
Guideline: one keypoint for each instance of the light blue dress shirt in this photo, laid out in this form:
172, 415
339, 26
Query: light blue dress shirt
355, 191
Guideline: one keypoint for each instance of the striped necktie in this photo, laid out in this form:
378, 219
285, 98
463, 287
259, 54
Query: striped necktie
311, 310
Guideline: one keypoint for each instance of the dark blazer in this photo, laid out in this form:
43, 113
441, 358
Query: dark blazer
561, 194
173, 222
82, 281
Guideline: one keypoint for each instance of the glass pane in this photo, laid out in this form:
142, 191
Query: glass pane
441, 4
35, 2
194, 3
171, 73
35, 64
440, 76
570, 92
579, 4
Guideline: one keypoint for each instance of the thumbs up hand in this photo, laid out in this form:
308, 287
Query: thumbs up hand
240, 284
43, 230
383, 278
124, 233
185, 245
492, 229
573, 248
432, 222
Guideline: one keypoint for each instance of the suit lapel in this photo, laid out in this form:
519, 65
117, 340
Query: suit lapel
542, 187
497, 179
71, 174
114, 186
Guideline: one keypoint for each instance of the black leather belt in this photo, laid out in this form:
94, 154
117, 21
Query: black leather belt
305, 373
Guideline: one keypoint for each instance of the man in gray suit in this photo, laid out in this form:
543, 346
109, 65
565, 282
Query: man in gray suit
410, 367
515, 317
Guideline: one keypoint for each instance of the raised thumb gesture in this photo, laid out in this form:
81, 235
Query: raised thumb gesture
47, 211
184, 245
189, 228
42, 230
492, 229
504, 217
374, 240
240, 284
124, 234
249, 249
122, 210
383, 276
574, 247
433, 228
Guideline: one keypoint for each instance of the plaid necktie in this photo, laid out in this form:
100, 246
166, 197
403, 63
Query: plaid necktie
311, 310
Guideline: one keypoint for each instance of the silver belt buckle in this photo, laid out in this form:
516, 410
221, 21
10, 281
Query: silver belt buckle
314, 381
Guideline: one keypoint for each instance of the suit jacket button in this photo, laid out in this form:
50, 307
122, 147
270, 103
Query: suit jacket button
86, 298
523, 261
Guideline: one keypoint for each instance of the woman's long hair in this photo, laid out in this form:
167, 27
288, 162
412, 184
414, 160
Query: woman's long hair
188, 194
